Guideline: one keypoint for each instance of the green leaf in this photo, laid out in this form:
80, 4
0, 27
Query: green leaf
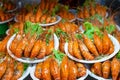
25, 66
48, 36
67, 7
110, 28
78, 36
118, 55
16, 30
58, 55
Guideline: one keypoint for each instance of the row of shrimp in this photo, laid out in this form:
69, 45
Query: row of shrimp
37, 14
8, 5
11, 69
5, 16
66, 27
66, 14
94, 9
31, 46
107, 68
66, 70
88, 49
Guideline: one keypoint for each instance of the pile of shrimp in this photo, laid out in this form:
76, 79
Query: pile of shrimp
88, 49
8, 5
4, 16
39, 14
91, 11
107, 69
65, 14
11, 69
31, 46
66, 70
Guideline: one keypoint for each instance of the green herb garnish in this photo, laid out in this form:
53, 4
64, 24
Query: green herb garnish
78, 36
25, 66
48, 36
110, 28
16, 30
58, 55
118, 55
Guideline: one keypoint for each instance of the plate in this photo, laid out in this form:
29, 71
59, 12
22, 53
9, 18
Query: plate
25, 74
7, 32
9, 11
7, 20
45, 25
34, 78
116, 49
28, 60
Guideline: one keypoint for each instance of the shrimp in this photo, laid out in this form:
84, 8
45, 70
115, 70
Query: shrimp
98, 43
43, 18
64, 70
15, 42
92, 10
70, 47
30, 45
10, 70
76, 50
111, 50
72, 70
115, 68
3, 67
86, 13
98, 68
46, 69
43, 50
38, 15
93, 70
54, 69
20, 47
36, 49
62, 42
81, 70
50, 47
106, 43
84, 51
18, 71
106, 69
4, 44
90, 45
38, 70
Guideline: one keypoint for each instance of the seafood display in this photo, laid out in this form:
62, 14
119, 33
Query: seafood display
50, 41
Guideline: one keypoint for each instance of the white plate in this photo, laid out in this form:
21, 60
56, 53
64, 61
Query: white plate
28, 60
7, 20
118, 27
45, 25
94, 75
7, 32
34, 78
25, 74
116, 49
9, 11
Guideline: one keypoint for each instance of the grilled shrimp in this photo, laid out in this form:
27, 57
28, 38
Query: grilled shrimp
62, 42
10, 70
90, 45
50, 47
98, 68
72, 70
54, 69
3, 67
106, 69
76, 50
81, 70
70, 47
111, 50
38, 70
98, 43
20, 47
43, 50
105, 43
64, 70
46, 69
18, 71
36, 49
86, 13
30, 45
15, 42
85, 52
115, 68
